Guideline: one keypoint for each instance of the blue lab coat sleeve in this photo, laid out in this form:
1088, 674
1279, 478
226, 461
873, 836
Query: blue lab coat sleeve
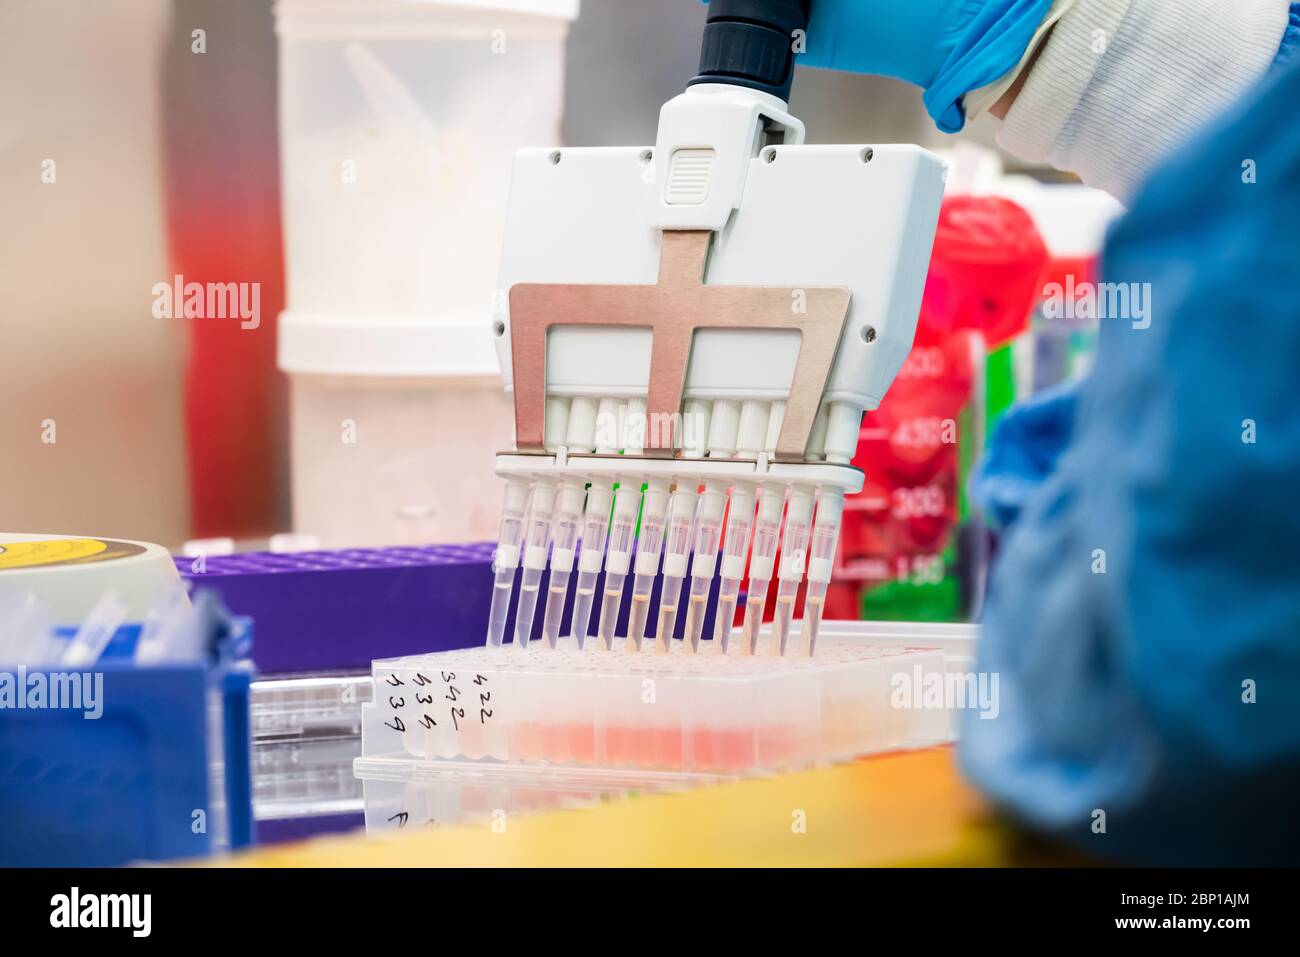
1143, 616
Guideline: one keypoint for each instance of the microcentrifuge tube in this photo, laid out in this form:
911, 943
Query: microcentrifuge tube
794, 555
735, 548
506, 559
762, 559
708, 533
537, 536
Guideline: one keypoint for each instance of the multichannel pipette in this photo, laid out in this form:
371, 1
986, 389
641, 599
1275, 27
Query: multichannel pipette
692, 333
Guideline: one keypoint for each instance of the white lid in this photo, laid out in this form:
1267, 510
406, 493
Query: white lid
68, 573
381, 17
385, 346
565, 9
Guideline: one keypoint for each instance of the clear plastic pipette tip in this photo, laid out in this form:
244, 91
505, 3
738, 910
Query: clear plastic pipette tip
676, 551
735, 546
783, 615
669, 600
582, 602
527, 610
556, 595
500, 609
568, 507
611, 601
813, 605
595, 529
639, 615
537, 537
696, 609
622, 532
506, 559
825, 537
649, 549
708, 532
794, 557
725, 618
767, 534
754, 606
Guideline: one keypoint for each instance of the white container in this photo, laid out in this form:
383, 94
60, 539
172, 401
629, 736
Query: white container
387, 460
399, 120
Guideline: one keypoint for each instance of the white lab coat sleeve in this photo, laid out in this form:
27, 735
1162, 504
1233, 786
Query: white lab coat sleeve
1121, 83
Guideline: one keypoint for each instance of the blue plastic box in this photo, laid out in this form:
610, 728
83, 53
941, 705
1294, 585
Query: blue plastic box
162, 773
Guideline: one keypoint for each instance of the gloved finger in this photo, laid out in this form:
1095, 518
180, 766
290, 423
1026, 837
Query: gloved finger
1024, 451
907, 43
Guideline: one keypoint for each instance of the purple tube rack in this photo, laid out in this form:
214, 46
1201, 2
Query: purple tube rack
337, 610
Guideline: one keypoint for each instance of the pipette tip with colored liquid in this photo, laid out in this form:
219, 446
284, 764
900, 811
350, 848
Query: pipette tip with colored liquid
704, 563
677, 552
794, 555
735, 548
762, 562
821, 559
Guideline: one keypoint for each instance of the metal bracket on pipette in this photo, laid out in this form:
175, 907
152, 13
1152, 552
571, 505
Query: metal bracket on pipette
674, 308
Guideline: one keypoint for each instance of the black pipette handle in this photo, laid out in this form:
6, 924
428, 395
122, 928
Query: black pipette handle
751, 43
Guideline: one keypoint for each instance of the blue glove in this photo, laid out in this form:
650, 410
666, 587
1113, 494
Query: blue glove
947, 47
1023, 453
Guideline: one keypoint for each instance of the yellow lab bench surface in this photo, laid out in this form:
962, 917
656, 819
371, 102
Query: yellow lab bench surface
900, 809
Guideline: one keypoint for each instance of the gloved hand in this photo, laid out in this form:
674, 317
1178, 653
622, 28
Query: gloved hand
1023, 453
947, 47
